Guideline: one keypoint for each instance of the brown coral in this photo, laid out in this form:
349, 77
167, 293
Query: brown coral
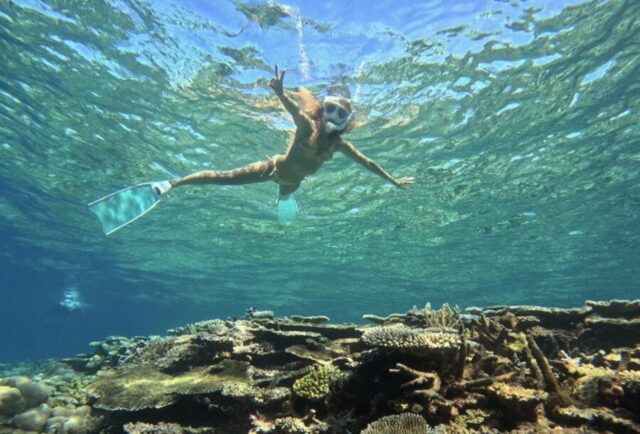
425, 384
519, 401
404, 423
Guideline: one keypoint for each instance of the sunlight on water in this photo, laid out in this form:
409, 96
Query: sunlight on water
518, 119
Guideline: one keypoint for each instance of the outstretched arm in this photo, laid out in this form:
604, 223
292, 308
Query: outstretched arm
276, 84
352, 152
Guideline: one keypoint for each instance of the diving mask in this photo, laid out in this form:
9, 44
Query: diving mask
336, 113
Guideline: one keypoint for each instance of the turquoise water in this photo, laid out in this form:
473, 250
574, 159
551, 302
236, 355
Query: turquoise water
519, 121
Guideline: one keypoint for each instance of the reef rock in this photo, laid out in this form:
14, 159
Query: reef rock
628, 309
32, 420
553, 317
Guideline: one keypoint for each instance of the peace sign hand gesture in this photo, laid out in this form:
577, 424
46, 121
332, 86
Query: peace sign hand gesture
276, 82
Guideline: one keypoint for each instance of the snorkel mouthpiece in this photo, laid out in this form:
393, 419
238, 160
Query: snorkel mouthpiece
330, 127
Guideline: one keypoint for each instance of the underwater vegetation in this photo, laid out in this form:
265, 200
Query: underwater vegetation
492, 370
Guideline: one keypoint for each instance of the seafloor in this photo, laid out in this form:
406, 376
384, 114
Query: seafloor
517, 369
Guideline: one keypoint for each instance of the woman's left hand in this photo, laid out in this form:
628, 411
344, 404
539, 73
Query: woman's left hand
276, 82
405, 181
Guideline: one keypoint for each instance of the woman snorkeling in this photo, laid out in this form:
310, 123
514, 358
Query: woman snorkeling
319, 127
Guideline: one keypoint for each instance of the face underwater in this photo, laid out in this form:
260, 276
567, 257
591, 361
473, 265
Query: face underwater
336, 113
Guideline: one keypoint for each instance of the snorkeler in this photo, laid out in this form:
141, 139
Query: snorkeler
70, 302
319, 127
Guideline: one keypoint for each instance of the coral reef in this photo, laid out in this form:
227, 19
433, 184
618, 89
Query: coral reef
500, 369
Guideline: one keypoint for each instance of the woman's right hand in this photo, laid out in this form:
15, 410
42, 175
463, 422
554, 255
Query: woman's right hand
276, 82
405, 181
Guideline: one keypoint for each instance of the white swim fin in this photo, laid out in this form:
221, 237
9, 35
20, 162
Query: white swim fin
127, 205
287, 209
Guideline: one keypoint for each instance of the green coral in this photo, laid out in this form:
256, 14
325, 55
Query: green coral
317, 383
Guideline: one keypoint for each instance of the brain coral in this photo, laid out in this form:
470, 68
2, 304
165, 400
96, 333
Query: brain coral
407, 338
404, 423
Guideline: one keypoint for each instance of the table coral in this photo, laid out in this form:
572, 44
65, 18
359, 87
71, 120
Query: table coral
142, 387
404, 423
401, 337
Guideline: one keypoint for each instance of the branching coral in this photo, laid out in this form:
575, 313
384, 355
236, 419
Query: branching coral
547, 373
428, 383
445, 317
490, 333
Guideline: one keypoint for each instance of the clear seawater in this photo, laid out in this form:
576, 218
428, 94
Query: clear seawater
519, 120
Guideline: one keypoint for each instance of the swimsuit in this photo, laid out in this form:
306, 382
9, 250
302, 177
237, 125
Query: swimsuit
277, 177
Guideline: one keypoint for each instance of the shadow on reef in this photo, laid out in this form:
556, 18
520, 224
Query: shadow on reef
516, 369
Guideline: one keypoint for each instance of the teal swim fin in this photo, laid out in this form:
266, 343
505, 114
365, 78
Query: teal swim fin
287, 209
127, 205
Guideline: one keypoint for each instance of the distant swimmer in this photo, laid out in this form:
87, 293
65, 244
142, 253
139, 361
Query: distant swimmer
70, 302
319, 126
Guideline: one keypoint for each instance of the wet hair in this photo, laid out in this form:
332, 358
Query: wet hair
309, 104
339, 89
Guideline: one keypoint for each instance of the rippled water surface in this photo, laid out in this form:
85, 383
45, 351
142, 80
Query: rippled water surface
519, 120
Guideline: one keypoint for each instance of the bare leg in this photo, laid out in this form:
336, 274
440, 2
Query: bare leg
260, 171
